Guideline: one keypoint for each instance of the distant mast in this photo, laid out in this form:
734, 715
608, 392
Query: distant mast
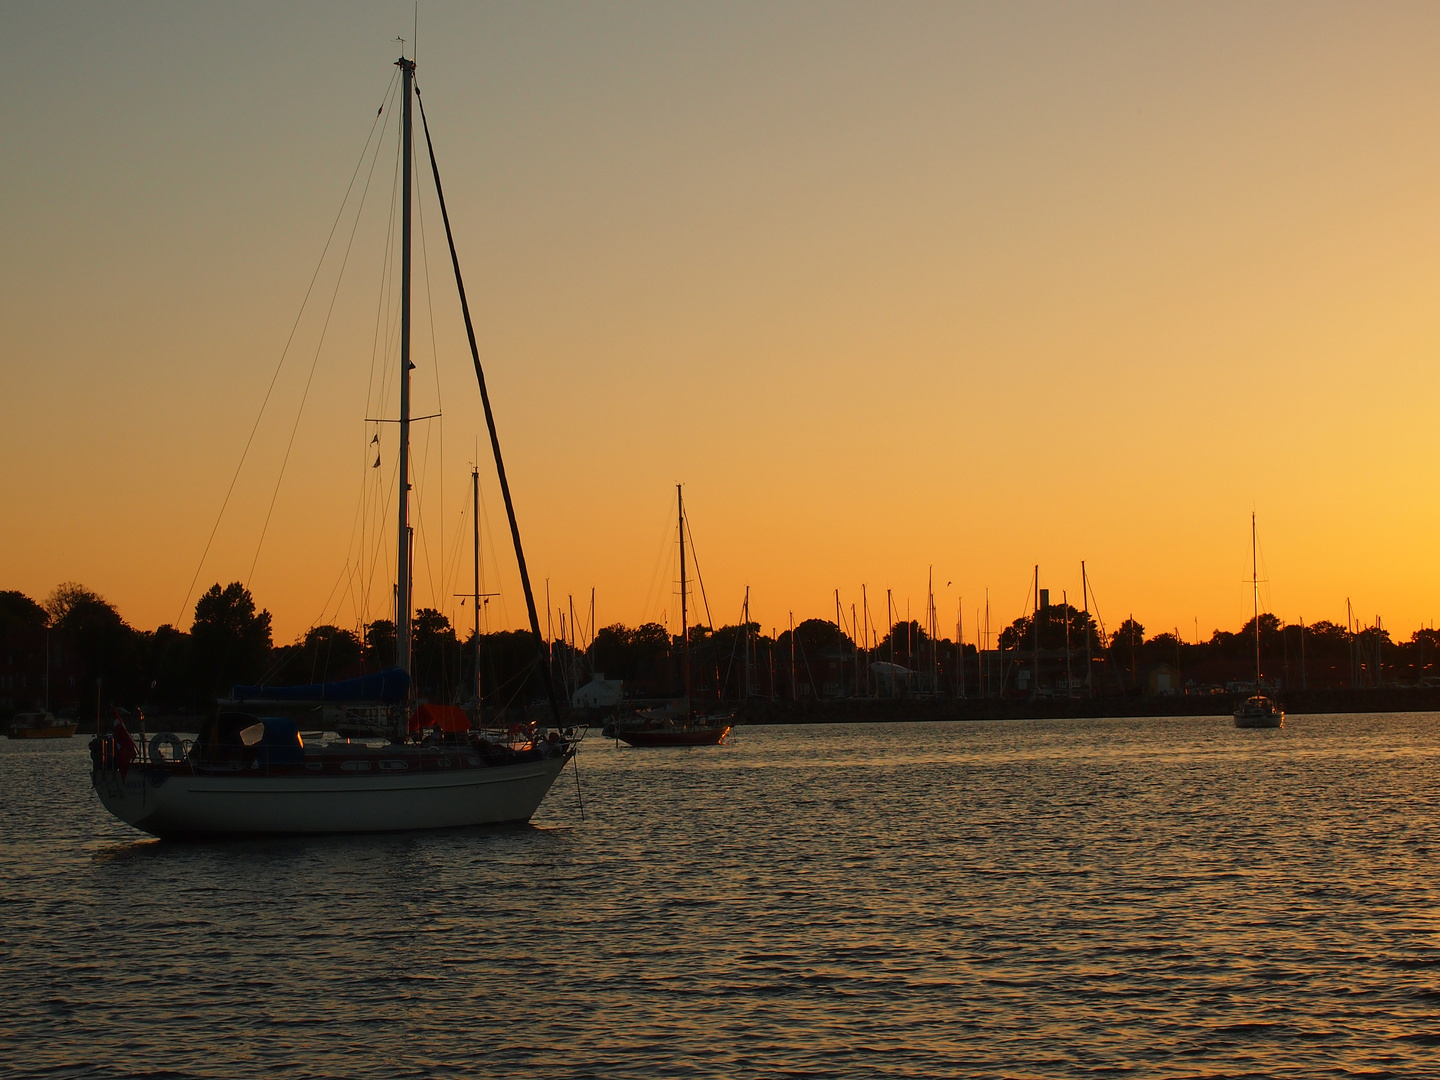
402, 547
475, 514
1255, 597
684, 628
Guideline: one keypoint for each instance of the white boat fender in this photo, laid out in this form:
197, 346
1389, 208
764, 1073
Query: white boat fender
170, 739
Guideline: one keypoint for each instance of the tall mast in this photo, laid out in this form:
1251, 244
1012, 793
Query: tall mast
1065, 604
1350, 634
475, 500
1085, 603
865, 625
890, 615
1036, 628
794, 693
747, 642
1303, 684
855, 647
402, 572
1255, 596
930, 627
540, 644
684, 627
960, 642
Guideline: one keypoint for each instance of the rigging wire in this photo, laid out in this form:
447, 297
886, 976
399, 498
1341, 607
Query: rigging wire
652, 594
490, 420
423, 470
389, 92
365, 477
450, 575
314, 363
435, 367
419, 525
1262, 571
286, 653
491, 550
380, 346
696, 558
389, 487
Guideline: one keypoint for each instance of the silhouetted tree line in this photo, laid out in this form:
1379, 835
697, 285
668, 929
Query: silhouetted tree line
1317, 656
96, 658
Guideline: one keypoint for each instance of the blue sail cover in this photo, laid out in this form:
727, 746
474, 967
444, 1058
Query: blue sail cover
389, 686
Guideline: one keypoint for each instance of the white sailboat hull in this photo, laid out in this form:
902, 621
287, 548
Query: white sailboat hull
1267, 720
182, 804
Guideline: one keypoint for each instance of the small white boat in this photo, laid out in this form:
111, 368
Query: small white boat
1258, 711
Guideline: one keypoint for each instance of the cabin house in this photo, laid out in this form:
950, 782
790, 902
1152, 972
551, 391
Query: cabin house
1163, 680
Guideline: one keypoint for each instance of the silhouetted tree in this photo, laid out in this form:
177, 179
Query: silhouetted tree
20, 614
229, 638
169, 668
104, 643
435, 655
1021, 633
324, 653
379, 645
907, 636
511, 667
65, 596
1130, 634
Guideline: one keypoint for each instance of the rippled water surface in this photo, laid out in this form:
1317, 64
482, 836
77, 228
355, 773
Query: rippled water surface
1135, 897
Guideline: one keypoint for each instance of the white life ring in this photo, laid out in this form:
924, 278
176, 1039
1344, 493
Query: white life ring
170, 739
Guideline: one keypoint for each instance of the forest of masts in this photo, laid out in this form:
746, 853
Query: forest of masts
75, 640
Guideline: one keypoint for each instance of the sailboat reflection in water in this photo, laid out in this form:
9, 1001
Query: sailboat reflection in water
250, 774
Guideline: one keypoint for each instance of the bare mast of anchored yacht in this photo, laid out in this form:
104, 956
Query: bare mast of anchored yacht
402, 549
684, 629
475, 513
1255, 596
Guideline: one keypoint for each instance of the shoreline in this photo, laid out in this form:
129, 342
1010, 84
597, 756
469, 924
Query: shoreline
895, 710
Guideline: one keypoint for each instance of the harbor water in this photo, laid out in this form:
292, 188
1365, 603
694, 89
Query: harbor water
1162, 897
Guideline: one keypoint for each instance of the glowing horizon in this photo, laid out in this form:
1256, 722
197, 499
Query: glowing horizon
972, 288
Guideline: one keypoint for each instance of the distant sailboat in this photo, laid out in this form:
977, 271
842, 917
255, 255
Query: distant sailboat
1257, 711
250, 774
682, 727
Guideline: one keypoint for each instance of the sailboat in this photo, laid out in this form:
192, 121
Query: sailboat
1257, 711
253, 774
683, 727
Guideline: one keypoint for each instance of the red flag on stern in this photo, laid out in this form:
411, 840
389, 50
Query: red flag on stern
125, 752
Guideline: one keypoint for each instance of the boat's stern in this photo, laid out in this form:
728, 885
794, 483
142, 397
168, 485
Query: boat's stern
124, 784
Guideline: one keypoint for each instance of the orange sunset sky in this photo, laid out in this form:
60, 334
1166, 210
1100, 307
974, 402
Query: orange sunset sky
976, 286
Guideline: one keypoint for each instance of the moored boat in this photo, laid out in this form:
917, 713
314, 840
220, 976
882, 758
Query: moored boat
251, 776
40, 725
682, 727
1257, 710
248, 773
683, 731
